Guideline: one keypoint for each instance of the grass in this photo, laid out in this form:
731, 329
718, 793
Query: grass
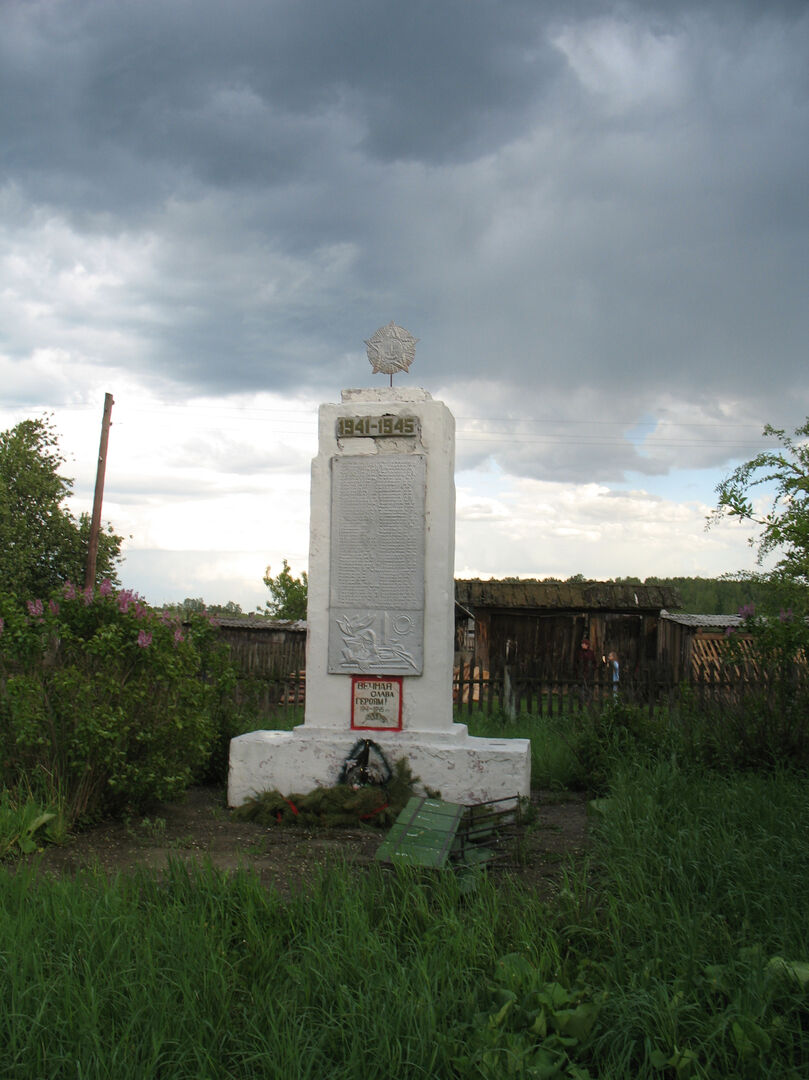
203, 974
679, 950
656, 959
701, 881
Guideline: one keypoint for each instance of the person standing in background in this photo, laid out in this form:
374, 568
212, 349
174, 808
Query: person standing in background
615, 671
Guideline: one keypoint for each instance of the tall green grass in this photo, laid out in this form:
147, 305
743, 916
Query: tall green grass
700, 882
206, 975
679, 949
656, 960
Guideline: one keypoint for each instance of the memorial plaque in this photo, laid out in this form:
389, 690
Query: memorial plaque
376, 703
388, 426
376, 602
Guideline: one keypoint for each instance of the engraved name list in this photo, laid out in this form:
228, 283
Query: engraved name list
376, 608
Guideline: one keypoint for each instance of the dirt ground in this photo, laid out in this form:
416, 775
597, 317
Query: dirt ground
200, 827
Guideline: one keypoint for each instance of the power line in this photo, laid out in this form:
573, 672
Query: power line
519, 430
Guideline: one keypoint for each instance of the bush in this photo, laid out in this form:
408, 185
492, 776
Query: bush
105, 701
756, 731
603, 736
756, 713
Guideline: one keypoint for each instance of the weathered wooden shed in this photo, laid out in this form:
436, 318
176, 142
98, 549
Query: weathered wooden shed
536, 627
265, 648
696, 646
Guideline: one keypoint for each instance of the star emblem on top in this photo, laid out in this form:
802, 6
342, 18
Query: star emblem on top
391, 349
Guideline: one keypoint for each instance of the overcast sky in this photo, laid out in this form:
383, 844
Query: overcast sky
594, 217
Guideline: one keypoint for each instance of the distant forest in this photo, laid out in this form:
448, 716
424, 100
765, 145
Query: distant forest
700, 596
703, 596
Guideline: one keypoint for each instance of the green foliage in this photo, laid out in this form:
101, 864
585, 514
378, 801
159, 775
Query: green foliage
729, 724
762, 722
698, 595
680, 951
195, 605
599, 738
288, 594
24, 824
228, 610
716, 596
701, 879
110, 703
41, 544
531, 1027
785, 526
195, 973
341, 804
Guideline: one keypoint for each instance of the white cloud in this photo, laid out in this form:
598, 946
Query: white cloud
551, 529
624, 63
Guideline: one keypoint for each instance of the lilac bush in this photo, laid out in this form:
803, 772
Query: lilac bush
107, 701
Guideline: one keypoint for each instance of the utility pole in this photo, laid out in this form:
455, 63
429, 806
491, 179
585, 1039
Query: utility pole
95, 524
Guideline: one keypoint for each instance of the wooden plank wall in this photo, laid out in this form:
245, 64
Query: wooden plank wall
534, 643
265, 653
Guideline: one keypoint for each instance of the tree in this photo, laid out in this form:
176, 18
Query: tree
785, 526
42, 544
230, 610
288, 594
195, 605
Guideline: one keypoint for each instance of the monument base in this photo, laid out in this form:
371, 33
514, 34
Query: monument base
464, 769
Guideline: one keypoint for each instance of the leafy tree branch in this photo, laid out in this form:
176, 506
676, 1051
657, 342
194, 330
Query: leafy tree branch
785, 526
42, 545
288, 594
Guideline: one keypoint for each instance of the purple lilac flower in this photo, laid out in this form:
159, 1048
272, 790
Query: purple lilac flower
54, 607
178, 636
747, 611
34, 607
70, 591
144, 639
88, 595
125, 598
785, 616
105, 588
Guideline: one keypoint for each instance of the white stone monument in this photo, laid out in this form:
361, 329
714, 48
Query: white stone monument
381, 606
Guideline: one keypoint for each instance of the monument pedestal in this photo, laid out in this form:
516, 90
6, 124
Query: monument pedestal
462, 768
380, 616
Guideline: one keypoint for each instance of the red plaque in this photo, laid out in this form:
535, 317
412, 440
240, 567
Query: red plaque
376, 702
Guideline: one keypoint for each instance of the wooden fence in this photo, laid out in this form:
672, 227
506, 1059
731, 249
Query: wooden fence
267, 696
552, 693
649, 688
270, 661
546, 695
265, 656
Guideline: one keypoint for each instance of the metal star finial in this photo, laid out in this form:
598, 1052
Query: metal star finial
391, 349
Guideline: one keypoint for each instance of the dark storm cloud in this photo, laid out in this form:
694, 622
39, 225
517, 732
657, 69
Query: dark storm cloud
600, 207
242, 93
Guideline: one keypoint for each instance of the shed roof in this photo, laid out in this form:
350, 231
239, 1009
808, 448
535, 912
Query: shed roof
259, 622
703, 622
565, 596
